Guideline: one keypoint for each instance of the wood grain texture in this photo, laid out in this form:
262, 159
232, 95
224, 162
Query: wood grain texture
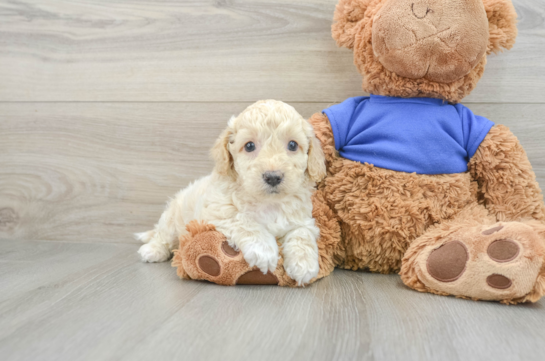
68, 301
86, 171
213, 51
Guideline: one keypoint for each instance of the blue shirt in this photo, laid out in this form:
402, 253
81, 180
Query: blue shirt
422, 135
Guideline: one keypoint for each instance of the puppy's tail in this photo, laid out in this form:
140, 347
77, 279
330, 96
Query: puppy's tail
144, 237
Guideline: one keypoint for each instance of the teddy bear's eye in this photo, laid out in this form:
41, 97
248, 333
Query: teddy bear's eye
292, 146
249, 147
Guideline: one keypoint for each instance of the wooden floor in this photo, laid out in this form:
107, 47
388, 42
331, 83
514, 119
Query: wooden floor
107, 107
96, 301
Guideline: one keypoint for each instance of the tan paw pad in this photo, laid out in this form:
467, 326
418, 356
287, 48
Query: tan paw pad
492, 230
448, 262
256, 277
228, 250
503, 250
209, 265
498, 281
499, 262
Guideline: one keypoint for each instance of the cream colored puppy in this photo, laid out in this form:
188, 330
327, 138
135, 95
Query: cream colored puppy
268, 161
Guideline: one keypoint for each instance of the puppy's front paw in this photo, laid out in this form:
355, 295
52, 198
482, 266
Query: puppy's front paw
154, 252
264, 255
301, 263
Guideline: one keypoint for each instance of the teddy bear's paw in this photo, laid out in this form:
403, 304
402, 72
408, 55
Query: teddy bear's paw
497, 262
256, 277
208, 256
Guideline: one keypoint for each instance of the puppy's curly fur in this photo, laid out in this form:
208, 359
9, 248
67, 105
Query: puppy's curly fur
242, 202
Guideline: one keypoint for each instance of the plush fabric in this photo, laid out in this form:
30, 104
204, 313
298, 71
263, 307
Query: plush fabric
353, 28
382, 211
204, 242
476, 233
440, 41
422, 135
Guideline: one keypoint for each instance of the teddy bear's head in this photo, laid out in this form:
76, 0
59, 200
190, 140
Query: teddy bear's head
423, 48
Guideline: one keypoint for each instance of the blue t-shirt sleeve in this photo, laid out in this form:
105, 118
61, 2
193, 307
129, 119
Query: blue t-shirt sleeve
340, 116
475, 128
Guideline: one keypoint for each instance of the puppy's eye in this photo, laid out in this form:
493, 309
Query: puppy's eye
292, 146
249, 147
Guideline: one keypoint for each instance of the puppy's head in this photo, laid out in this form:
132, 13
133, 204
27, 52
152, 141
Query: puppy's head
270, 150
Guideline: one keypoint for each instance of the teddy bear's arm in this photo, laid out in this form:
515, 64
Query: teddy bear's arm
324, 133
507, 184
330, 248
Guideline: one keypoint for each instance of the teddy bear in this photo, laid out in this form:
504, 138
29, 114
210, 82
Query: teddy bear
416, 183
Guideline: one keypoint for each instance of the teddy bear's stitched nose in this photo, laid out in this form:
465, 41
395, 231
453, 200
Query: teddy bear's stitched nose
420, 10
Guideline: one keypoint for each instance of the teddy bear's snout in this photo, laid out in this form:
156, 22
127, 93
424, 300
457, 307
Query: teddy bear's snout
436, 40
420, 10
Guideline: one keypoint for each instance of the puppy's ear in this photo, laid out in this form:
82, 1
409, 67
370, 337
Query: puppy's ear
316, 159
348, 14
502, 24
225, 164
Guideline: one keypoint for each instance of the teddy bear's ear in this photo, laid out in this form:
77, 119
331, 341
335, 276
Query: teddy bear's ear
347, 15
502, 24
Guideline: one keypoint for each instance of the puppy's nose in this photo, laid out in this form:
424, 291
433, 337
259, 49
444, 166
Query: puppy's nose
273, 178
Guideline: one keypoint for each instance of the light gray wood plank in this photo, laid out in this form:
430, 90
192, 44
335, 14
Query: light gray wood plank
389, 321
116, 308
101, 171
130, 50
74, 300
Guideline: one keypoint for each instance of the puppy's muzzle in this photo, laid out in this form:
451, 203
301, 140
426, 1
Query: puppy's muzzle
273, 178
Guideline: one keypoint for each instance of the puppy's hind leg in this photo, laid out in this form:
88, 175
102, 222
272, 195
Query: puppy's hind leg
160, 241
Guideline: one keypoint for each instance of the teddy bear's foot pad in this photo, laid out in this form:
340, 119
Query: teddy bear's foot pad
211, 267
493, 263
256, 277
503, 250
448, 262
205, 254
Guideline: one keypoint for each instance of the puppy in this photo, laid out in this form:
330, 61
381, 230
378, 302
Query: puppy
268, 161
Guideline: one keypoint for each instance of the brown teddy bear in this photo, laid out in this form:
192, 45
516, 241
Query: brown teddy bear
416, 183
